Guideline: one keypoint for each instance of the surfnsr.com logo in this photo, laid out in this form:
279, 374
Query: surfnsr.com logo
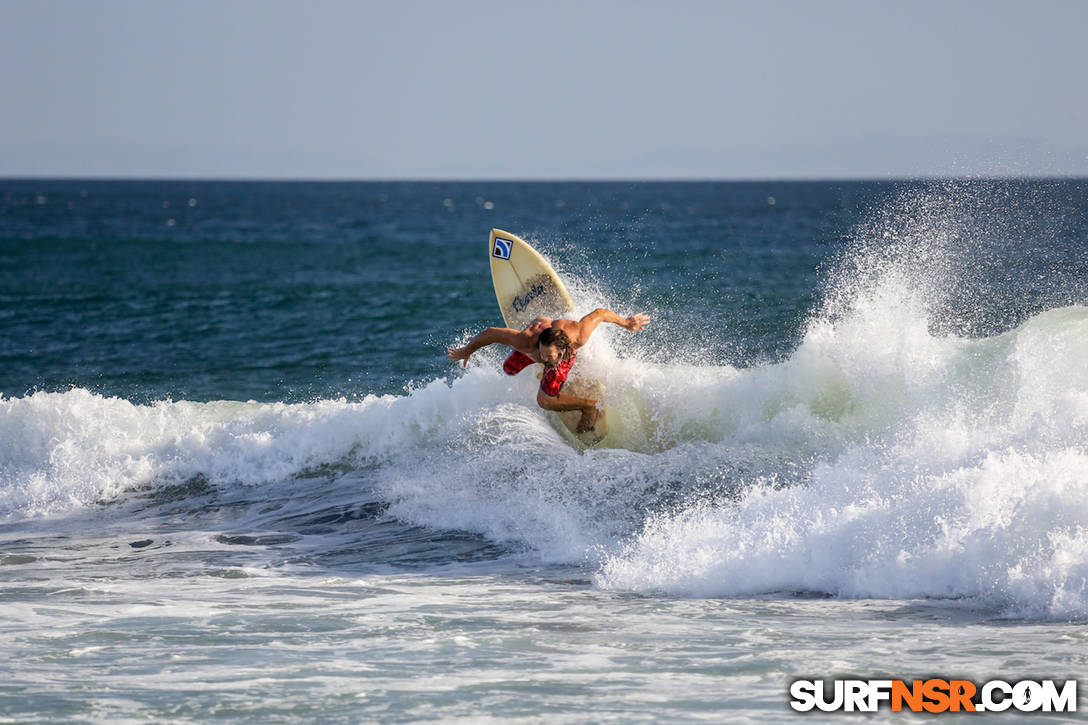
934, 695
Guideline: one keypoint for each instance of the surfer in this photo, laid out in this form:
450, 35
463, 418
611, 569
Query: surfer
554, 343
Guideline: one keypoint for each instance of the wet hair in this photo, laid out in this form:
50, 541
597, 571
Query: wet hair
554, 336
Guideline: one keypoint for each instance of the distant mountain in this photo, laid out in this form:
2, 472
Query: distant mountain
873, 155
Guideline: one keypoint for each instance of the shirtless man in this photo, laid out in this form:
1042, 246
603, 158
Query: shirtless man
555, 344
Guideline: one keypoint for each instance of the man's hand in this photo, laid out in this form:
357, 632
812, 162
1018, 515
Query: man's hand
635, 323
460, 353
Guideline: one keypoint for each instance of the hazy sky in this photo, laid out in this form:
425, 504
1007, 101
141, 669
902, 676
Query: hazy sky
508, 89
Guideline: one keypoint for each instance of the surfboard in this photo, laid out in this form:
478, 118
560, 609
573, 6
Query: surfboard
527, 287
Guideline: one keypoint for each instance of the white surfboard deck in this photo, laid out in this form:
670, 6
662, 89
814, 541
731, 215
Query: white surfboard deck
527, 287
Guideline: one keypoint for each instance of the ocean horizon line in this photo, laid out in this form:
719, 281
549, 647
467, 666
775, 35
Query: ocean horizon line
552, 180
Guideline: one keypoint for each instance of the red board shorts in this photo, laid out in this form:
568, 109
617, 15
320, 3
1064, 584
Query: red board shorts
553, 378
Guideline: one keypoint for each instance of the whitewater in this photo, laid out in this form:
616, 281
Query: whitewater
879, 460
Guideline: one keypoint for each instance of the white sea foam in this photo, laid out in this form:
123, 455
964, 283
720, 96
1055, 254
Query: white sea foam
959, 468
942, 466
878, 460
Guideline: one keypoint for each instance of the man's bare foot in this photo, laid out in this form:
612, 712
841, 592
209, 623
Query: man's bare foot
589, 419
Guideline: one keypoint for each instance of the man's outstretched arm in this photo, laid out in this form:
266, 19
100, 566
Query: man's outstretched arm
589, 323
501, 335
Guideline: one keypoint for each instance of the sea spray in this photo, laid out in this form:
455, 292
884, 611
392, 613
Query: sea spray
950, 467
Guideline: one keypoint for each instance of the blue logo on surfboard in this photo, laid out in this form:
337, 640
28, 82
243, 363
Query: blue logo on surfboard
502, 248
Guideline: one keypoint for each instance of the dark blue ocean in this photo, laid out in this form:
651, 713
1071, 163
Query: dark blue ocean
241, 482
